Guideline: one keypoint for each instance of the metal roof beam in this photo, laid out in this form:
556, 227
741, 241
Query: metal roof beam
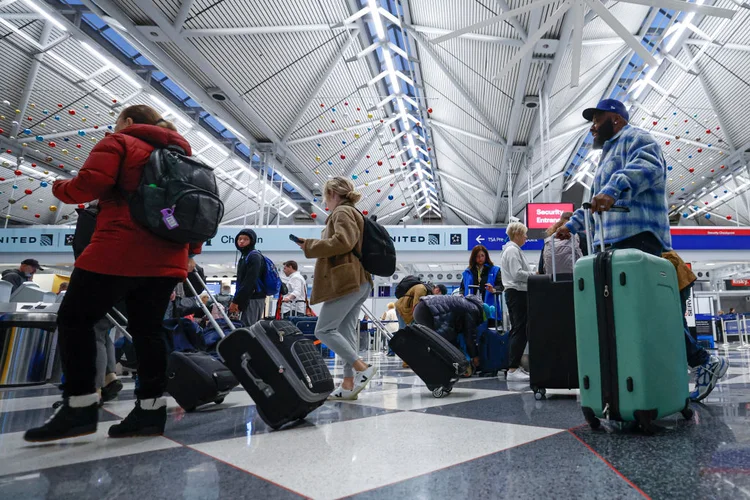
513, 20
182, 14
323, 135
524, 71
712, 101
469, 203
167, 65
671, 137
425, 44
460, 212
622, 31
725, 46
318, 86
256, 30
461, 131
469, 185
706, 10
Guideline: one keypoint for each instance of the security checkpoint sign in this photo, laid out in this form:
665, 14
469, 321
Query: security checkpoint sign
544, 215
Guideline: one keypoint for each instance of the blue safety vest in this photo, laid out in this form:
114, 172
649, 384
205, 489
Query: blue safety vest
468, 277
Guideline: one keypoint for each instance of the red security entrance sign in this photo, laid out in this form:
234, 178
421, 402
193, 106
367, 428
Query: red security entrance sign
543, 215
741, 283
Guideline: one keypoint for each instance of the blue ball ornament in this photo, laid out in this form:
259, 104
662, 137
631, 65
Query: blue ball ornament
85, 106
682, 189
43, 184
110, 127
390, 197
708, 216
725, 191
45, 112
81, 133
669, 167
690, 156
40, 138
318, 144
333, 109
330, 163
377, 204
354, 177
685, 215
66, 139
57, 118
27, 131
716, 196
315, 200
367, 171
343, 142
15, 187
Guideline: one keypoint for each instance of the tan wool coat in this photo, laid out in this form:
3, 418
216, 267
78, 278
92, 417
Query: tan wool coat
685, 275
338, 271
406, 304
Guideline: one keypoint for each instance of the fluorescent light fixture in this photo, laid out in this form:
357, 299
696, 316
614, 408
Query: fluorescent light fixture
46, 15
109, 65
73, 69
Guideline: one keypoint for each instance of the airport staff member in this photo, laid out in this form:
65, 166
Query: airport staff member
24, 273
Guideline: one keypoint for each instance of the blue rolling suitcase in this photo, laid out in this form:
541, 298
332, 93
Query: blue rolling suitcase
493, 347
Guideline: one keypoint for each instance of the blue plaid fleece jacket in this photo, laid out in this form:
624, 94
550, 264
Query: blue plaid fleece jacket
632, 170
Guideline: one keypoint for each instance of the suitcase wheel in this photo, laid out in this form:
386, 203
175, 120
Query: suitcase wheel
540, 394
591, 419
687, 414
441, 392
219, 401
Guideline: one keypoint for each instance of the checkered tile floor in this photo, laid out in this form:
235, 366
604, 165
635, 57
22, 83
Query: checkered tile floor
487, 439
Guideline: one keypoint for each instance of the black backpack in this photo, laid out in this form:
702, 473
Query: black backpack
177, 198
378, 251
85, 226
406, 284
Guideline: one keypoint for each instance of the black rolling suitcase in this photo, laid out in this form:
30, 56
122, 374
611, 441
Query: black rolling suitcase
280, 368
435, 360
197, 378
551, 328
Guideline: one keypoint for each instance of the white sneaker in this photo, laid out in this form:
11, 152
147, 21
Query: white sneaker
517, 376
361, 379
341, 394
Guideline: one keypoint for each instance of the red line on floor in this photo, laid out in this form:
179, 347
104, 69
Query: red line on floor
614, 469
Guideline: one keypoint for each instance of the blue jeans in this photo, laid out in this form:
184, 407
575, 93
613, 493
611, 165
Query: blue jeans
647, 242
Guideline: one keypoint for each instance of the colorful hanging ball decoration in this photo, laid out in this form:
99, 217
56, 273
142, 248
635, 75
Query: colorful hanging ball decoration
365, 212
729, 217
390, 197
28, 191
81, 206
343, 157
313, 215
72, 112
669, 167
57, 119
25, 207
708, 216
18, 173
43, 184
403, 204
691, 170
684, 215
355, 176
380, 163
40, 138
82, 133
377, 204
37, 215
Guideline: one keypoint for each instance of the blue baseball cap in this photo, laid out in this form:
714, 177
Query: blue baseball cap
612, 105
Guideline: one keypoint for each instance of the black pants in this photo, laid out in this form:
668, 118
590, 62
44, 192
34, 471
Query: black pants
89, 297
517, 309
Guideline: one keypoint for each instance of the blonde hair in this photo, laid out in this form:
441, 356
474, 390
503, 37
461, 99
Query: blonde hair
391, 305
344, 188
564, 217
515, 229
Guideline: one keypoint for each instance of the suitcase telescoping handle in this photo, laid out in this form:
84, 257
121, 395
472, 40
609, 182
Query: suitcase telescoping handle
208, 314
589, 234
554, 256
117, 325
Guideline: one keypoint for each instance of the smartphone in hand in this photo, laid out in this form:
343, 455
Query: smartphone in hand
295, 239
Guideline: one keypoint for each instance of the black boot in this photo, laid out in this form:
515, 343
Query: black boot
68, 421
110, 391
142, 421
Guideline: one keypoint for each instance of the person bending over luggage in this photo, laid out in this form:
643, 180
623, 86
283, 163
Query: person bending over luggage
516, 272
563, 255
450, 316
341, 284
249, 297
406, 304
633, 173
483, 273
439, 289
124, 261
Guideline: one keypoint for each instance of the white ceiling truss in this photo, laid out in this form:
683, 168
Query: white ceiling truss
429, 109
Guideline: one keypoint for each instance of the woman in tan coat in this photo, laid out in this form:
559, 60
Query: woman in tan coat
341, 284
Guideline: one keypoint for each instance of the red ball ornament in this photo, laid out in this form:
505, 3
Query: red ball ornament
378, 190
18, 172
667, 143
655, 123
28, 191
686, 121
114, 101
358, 109
392, 157
365, 212
322, 105
429, 110
678, 150
718, 128
37, 215
78, 146
52, 144
691, 170
81, 206
320, 131
404, 164
700, 150
33, 165
29, 118
327, 209
708, 131
333, 121
1, 131
671, 194
61, 166
380, 163
391, 185
722, 166
393, 129
343, 157
368, 157
403, 204
705, 202
429, 149
346, 104
96, 127
8, 151
72, 112
59, 105
729, 217
712, 170
314, 215
2, 179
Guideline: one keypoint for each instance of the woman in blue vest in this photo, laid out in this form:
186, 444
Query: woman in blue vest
485, 274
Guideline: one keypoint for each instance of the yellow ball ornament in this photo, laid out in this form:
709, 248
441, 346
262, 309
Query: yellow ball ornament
46, 172
356, 136
18, 111
25, 207
52, 208
369, 115
317, 172
83, 119
317, 158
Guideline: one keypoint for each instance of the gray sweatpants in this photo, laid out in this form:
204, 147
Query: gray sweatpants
105, 351
253, 312
338, 326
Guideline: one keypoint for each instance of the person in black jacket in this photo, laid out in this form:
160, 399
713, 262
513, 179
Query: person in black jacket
24, 273
450, 315
249, 297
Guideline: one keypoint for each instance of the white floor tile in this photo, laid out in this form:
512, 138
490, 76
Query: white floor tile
35, 403
19, 456
359, 455
419, 397
234, 398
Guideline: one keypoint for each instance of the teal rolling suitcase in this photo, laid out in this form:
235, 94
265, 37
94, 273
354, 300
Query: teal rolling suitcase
629, 337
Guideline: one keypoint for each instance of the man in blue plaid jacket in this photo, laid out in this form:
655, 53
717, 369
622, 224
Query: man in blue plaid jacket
632, 173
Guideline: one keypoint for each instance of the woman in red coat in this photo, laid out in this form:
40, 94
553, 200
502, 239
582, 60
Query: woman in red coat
124, 261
